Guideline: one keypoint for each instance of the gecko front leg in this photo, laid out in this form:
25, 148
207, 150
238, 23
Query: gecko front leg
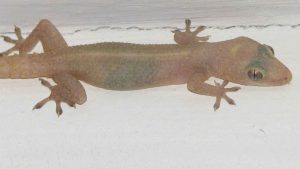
197, 85
223, 94
68, 90
188, 37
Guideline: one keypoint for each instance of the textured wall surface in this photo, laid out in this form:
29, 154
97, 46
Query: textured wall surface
116, 12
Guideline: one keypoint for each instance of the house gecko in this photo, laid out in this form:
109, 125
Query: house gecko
127, 66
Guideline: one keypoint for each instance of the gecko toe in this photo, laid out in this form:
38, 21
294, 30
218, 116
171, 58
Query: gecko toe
9, 39
199, 29
229, 100
37, 106
188, 23
59, 110
41, 103
203, 38
18, 33
45, 83
233, 89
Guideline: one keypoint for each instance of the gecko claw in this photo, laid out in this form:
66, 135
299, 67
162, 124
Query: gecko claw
59, 110
189, 37
216, 107
72, 104
217, 103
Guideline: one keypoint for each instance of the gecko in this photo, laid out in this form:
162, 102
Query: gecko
192, 60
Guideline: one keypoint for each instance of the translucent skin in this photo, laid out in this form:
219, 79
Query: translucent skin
124, 66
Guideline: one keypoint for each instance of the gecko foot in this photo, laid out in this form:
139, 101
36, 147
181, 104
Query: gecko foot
58, 94
189, 37
17, 42
223, 94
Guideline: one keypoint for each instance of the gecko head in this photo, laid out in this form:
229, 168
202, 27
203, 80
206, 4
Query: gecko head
256, 65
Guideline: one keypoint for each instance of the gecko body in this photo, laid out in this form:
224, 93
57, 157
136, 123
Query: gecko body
125, 66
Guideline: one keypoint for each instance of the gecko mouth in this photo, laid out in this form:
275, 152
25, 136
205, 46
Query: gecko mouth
283, 81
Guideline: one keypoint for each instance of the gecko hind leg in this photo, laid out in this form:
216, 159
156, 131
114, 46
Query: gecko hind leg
189, 37
45, 32
68, 90
55, 95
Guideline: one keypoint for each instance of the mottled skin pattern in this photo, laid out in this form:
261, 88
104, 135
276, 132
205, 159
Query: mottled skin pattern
125, 66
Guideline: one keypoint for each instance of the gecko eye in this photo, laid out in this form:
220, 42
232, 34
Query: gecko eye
255, 74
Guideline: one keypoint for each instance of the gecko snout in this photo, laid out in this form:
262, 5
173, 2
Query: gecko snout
288, 78
285, 77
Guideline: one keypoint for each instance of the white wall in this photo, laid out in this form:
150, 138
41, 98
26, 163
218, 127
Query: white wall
116, 12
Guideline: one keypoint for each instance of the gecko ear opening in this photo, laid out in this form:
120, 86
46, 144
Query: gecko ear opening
272, 50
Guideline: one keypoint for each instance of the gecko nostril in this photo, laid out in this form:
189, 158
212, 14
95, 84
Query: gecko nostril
288, 78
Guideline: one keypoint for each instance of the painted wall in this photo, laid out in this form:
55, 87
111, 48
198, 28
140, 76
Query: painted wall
116, 12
